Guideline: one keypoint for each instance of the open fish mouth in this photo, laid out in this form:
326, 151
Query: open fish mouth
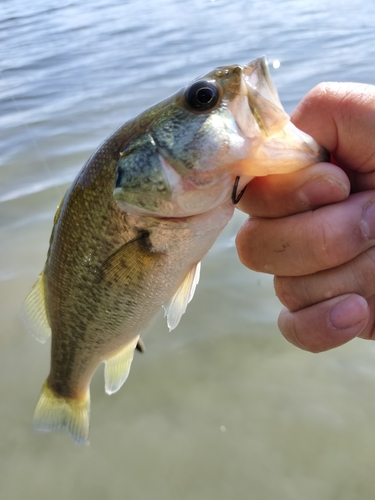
277, 146
258, 81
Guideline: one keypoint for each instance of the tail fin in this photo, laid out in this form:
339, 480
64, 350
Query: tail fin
53, 413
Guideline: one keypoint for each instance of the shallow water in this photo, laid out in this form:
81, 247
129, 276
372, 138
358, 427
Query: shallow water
222, 407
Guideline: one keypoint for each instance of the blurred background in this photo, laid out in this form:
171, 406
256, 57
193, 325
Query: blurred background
223, 406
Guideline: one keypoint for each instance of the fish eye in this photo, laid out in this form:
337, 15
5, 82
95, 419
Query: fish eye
202, 95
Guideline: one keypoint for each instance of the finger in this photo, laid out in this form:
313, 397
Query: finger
309, 242
356, 276
341, 117
286, 194
368, 332
326, 325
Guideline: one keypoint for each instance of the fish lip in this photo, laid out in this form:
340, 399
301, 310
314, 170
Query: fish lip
258, 79
175, 220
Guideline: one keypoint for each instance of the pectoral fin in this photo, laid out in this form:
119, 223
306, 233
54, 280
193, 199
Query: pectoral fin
117, 368
178, 303
34, 312
131, 263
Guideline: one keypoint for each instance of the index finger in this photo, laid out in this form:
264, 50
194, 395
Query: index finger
287, 194
341, 117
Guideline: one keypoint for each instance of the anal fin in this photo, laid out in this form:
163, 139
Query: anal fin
117, 367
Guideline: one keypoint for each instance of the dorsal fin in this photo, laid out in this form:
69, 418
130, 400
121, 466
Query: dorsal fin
117, 367
34, 312
177, 305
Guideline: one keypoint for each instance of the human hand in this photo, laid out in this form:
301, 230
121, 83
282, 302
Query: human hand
316, 238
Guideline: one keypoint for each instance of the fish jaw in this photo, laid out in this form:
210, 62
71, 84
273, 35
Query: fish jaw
285, 152
276, 146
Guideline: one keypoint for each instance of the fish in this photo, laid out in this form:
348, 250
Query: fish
130, 233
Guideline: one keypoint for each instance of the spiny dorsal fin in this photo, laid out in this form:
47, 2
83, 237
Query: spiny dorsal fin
178, 303
53, 413
117, 368
34, 312
130, 263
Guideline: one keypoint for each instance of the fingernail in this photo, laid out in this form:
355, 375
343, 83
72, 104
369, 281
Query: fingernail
349, 312
317, 190
368, 221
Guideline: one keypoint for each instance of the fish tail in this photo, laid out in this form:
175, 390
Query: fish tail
53, 413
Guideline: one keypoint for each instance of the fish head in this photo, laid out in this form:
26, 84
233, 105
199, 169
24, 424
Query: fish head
184, 154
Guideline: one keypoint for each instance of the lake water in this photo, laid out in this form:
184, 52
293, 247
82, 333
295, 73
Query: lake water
223, 407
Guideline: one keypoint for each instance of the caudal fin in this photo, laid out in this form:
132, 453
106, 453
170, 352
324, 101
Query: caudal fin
53, 413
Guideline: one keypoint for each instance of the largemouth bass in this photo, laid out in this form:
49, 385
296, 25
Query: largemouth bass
130, 233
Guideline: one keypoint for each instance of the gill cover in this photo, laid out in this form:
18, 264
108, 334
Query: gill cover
141, 176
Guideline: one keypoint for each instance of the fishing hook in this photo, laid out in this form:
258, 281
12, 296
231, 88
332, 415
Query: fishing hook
235, 198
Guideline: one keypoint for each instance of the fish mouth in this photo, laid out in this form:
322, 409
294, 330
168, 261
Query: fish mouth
276, 145
258, 81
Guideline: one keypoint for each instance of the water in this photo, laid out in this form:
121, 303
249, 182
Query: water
223, 407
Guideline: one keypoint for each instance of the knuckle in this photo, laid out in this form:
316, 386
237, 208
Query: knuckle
286, 292
250, 244
328, 243
295, 292
287, 324
242, 242
295, 333
323, 249
366, 277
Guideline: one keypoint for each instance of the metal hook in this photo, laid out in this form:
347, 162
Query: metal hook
235, 198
